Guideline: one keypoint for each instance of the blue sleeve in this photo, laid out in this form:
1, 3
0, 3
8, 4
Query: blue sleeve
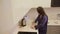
43, 22
36, 19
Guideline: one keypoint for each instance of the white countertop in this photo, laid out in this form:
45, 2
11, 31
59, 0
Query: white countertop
27, 29
24, 29
54, 22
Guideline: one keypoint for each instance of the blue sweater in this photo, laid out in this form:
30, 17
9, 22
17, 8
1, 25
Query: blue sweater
42, 23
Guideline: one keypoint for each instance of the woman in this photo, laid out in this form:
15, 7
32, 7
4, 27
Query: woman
42, 20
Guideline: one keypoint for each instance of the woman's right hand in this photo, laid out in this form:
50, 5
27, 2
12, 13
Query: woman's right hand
33, 26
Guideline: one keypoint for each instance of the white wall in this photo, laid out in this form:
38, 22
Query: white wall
21, 7
6, 16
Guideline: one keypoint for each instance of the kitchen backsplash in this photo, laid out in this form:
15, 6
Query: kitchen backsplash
53, 13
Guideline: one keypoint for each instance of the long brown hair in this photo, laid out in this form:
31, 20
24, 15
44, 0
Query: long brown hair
41, 11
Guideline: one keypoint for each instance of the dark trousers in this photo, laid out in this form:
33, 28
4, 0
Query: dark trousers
42, 31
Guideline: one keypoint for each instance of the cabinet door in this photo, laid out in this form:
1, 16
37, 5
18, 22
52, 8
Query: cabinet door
55, 3
53, 30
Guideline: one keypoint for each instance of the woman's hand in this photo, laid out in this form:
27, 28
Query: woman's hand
33, 25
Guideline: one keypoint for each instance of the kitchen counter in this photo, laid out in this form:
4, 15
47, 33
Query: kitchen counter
24, 29
54, 22
27, 29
